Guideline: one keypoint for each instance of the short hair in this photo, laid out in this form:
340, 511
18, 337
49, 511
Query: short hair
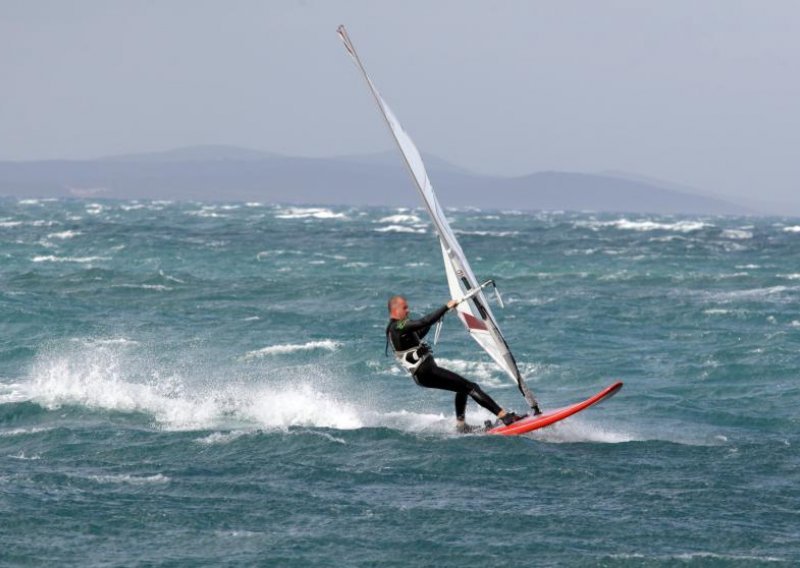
392, 301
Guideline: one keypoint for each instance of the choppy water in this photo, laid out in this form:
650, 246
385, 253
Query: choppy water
199, 384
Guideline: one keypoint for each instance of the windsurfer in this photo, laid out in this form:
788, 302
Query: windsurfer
405, 336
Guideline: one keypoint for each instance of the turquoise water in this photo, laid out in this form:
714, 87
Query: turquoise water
203, 384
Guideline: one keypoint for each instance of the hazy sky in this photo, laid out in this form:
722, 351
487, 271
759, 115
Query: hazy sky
700, 93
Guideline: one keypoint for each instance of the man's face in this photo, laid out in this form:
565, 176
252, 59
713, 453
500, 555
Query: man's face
401, 309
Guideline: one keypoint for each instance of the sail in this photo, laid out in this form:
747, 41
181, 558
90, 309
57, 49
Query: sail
474, 313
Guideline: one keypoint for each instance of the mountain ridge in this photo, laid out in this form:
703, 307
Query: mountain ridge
231, 173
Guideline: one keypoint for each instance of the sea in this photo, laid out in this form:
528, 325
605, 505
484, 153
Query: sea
205, 384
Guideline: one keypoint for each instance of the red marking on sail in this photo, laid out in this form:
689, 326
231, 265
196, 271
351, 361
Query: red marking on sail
473, 322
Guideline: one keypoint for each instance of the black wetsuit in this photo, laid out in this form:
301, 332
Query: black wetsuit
407, 334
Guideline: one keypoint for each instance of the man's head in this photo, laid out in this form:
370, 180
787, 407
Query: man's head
398, 308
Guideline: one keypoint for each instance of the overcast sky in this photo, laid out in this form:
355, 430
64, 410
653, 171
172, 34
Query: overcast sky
699, 93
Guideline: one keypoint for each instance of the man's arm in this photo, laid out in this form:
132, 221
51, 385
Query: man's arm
423, 324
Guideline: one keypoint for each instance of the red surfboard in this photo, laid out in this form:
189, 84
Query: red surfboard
547, 418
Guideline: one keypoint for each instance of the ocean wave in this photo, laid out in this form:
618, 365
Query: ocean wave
750, 294
309, 213
221, 437
36, 223
64, 235
647, 225
22, 456
207, 213
792, 229
738, 234
400, 229
283, 349
89, 341
488, 233
400, 218
130, 479
77, 259
24, 431
687, 557
111, 379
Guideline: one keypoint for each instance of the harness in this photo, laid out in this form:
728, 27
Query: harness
412, 359
409, 359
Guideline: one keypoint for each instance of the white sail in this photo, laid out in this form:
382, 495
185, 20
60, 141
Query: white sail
474, 313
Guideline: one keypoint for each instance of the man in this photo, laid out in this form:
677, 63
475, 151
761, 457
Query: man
405, 336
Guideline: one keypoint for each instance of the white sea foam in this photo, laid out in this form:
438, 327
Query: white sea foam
77, 259
64, 235
206, 213
116, 378
792, 229
282, 349
156, 287
9, 224
171, 278
487, 372
399, 218
309, 213
646, 225
99, 378
23, 456
121, 341
400, 229
301, 405
716, 311
737, 234
110, 378
751, 294
577, 430
489, 233
687, 557
23, 431
130, 479
221, 437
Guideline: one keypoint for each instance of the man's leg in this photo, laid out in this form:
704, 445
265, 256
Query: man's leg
438, 378
461, 406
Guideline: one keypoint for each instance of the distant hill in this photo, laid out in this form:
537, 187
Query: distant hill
228, 173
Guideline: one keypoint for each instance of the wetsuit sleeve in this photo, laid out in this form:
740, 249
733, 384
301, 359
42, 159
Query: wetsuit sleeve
423, 324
